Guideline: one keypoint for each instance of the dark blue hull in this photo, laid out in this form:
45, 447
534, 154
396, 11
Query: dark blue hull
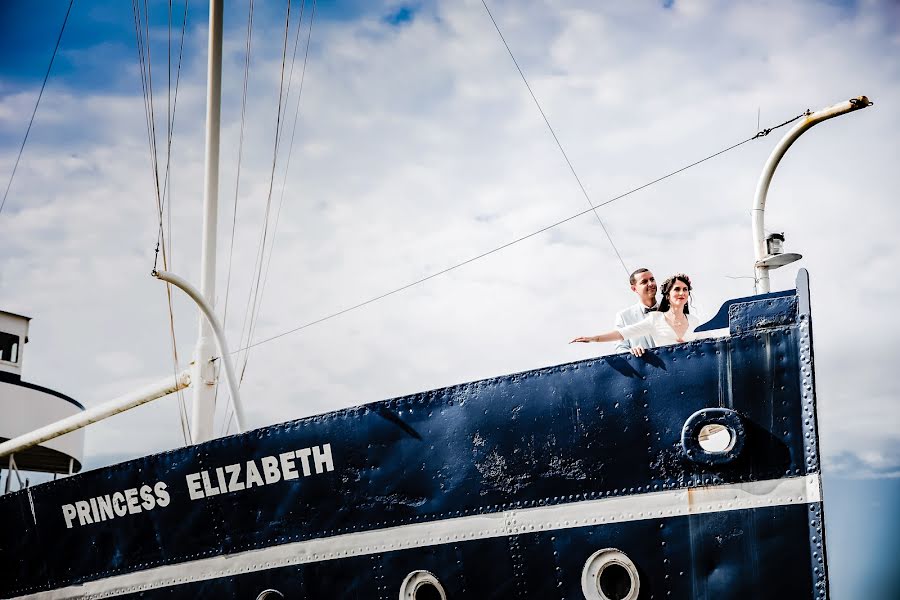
756, 554
501, 488
730, 555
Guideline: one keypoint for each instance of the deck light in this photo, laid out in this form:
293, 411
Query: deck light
776, 257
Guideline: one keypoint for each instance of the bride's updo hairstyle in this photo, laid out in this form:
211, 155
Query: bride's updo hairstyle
667, 286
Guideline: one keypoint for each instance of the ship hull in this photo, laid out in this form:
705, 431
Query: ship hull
501, 488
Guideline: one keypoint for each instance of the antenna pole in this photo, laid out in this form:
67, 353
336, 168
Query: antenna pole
203, 372
762, 188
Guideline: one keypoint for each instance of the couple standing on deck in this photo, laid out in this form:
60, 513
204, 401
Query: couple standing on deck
648, 324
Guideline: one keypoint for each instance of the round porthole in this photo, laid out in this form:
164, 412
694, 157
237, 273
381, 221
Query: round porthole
713, 436
610, 575
422, 585
269, 595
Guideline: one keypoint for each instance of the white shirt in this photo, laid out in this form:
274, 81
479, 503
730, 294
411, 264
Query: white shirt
656, 326
629, 316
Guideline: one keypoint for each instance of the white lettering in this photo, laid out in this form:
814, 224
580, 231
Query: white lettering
208, 488
270, 468
288, 470
118, 502
84, 512
253, 475
148, 502
323, 458
162, 496
193, 483
106, 509
134, 503
220, 475
234, 485
68, 514
303, 455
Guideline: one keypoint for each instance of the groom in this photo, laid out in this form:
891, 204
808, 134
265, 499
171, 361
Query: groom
643, 284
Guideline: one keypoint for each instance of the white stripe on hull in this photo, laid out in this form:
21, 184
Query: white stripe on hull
653, 505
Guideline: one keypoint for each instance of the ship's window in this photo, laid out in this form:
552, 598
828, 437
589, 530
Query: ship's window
615, 583
422, 585
715, 438
610, 575
269, 595
427, 591
9, 347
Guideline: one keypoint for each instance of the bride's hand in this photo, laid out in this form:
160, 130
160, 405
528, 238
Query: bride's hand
637, 350
583, 340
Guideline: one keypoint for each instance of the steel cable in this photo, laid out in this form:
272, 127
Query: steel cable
556, 139
759, 135
36, 104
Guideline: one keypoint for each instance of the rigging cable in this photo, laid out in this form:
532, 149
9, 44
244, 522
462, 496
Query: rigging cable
253, 297
143, 48
265, 272
556, 139
142, 27
237, 183
171, 105
142, 34
758, 135
287, 165
293, 62
36, 104
290, 148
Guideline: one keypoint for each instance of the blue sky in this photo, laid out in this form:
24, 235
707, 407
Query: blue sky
417, 146
99, 39
26, 48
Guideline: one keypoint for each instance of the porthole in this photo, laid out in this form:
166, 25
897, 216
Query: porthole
269, 594
713, 436
422, 585
610, 575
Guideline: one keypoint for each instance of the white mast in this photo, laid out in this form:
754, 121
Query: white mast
772, 259
203, 372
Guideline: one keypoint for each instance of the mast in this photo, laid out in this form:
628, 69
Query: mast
203, 371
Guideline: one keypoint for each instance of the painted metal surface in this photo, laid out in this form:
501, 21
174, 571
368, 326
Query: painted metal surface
71, 427
25, 407
725, 418
202, 368
756, 554
760, 249
608, 428
209, 314
762, 314
721, 318
13, 335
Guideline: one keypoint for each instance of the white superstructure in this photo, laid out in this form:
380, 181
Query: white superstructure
25, 407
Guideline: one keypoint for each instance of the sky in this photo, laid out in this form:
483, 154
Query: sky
416, 146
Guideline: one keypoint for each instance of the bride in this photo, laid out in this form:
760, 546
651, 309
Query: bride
671, 324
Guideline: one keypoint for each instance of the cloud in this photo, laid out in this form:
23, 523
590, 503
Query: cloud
872, 465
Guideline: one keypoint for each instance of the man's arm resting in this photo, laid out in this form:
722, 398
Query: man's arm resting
622, 345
